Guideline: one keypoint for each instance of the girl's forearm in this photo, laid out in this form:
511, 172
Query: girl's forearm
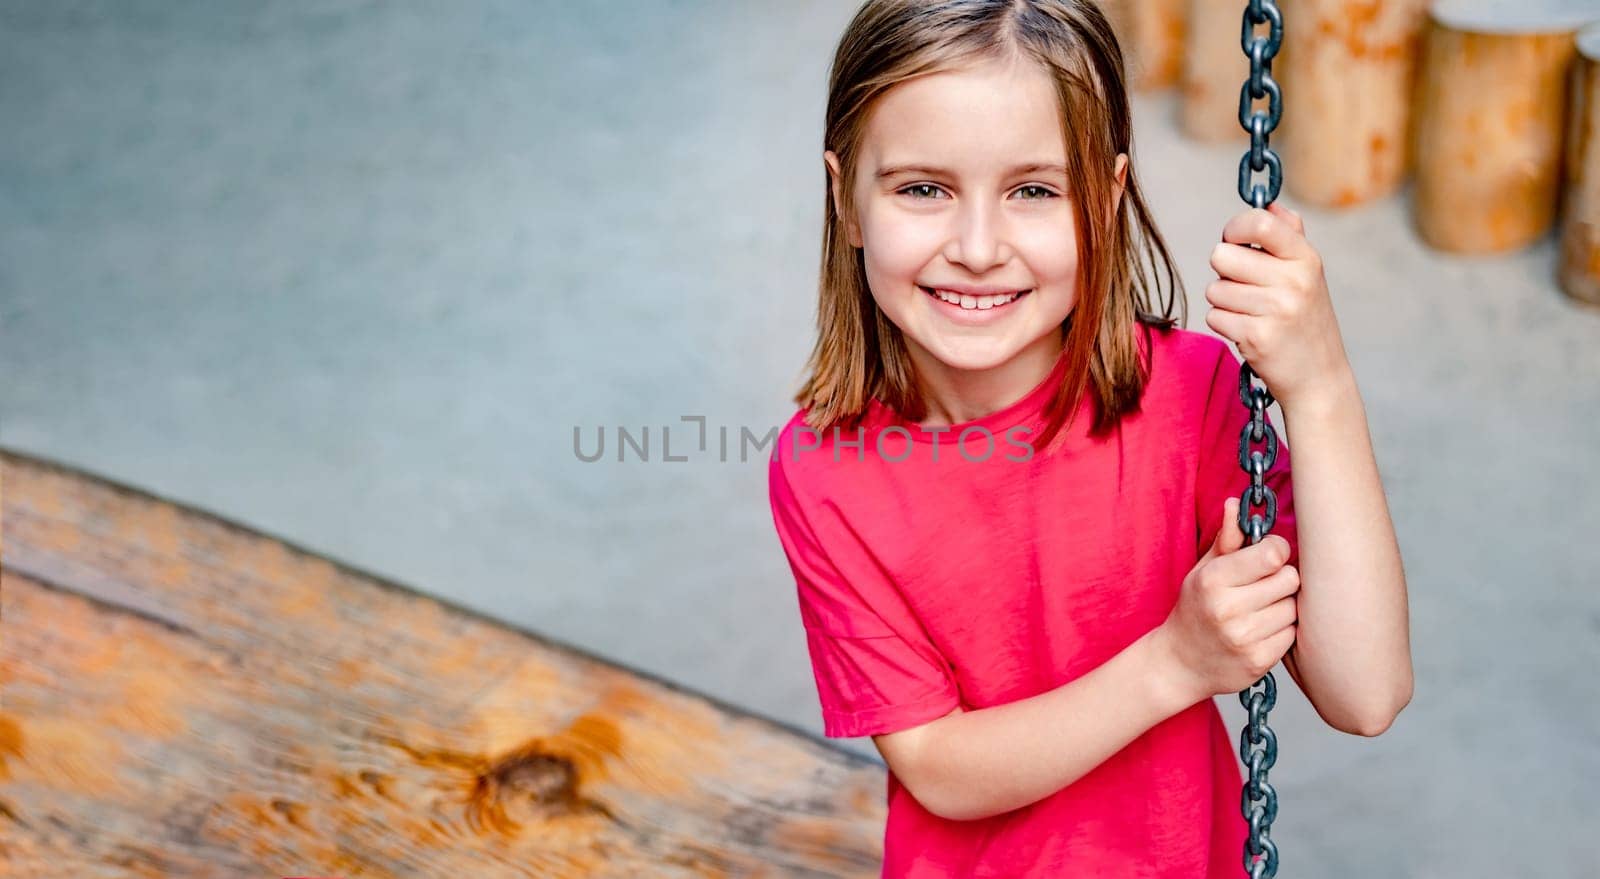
985, 762
1353, 645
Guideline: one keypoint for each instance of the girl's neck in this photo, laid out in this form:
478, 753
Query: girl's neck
956, 396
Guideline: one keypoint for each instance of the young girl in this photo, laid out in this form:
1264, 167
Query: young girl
1009, 497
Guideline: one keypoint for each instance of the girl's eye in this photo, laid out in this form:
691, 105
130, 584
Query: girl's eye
927, 190
1045, 193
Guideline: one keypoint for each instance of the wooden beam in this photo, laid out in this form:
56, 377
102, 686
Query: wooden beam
182, 696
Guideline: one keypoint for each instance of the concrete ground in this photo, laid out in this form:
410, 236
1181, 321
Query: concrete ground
352, 274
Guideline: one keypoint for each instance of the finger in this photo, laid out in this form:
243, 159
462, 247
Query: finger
1238, 262
1281, 641
1229, 538
1275, 587
1237, 297
1292, 216
1246, 566
1273, 232
1229, 325
1274, 618
1270, 556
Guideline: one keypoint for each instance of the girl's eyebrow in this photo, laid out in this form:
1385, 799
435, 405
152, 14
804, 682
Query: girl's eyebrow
892, 170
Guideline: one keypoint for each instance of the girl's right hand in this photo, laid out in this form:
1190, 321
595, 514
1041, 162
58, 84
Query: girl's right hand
1235, 616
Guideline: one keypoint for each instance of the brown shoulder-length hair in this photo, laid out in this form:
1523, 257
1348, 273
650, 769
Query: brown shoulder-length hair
859, 353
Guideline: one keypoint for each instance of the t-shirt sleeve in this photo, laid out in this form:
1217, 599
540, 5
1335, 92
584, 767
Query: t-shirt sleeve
875, 668
1220, 475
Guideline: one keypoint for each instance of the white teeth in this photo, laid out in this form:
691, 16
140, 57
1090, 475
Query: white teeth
975, 302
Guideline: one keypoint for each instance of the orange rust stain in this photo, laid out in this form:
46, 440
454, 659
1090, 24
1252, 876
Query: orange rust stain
345, 789
824, 842
378, 782
163, 523
267, 561
66, 755
276, 831
524, 689
1378, 144
671, 758
1398, 50
59, 535
308, 594
1503, 228
593, 741
1519, 115
292, 812
1176, 30
348, 670
530, 777
10, 742
129, 685
274, 561
43, 494
868, 799
542, 779
148, 703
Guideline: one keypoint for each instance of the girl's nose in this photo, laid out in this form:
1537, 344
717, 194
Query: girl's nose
977, 242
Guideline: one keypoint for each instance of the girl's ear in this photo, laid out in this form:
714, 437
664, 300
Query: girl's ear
836, 183
1122, 179
1116, 195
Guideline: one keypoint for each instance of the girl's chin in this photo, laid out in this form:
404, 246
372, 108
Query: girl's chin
963, 357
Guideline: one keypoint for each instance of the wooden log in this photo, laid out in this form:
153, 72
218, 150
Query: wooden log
1214, 69
1580, 215
1348, 71
1152, 36
185, 697
1490, 117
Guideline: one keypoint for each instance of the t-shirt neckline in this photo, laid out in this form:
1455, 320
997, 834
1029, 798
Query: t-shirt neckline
1025, 412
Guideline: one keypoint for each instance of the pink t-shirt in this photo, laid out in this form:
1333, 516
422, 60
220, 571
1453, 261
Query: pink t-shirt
980, 579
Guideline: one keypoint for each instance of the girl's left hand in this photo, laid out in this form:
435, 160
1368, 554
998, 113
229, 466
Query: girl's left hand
1273, 303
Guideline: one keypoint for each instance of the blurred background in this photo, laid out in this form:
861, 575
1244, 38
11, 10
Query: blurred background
353, 274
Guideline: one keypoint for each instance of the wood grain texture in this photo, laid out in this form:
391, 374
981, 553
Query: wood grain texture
1152, 36
185, 697
1214, 70
1348, 70
1488, 128
1580, 212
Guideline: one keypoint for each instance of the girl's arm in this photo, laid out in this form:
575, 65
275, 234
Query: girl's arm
973, 764
1352, 653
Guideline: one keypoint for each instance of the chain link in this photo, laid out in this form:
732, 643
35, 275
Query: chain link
1258, 746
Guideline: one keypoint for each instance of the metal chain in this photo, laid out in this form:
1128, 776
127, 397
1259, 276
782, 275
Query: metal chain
1258, 801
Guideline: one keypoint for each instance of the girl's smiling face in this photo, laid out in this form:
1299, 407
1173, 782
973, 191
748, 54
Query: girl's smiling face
961, 183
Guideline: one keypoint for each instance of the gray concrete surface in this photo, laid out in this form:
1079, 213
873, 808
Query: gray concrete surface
352, 274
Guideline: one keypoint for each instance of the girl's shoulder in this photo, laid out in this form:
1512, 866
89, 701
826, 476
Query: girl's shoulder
1184, 362
1188, 349
793, 449
814, 465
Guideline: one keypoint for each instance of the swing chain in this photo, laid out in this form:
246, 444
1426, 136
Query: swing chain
1261, 85
1259, 801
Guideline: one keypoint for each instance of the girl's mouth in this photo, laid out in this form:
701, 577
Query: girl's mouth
972, 306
